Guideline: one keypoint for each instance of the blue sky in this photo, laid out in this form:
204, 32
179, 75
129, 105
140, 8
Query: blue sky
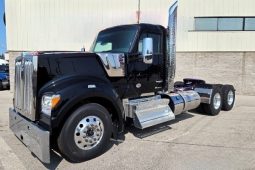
2, 29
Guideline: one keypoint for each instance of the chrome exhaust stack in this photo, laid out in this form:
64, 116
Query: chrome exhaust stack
180, 101
171, 47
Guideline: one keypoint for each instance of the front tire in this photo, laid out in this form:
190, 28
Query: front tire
86, 133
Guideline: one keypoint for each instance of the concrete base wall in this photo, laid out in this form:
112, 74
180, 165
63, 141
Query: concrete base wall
237, 68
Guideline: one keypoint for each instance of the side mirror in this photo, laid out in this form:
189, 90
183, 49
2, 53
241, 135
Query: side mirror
147, 50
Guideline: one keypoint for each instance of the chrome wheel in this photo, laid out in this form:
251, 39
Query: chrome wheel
217, 101
230, 97
89, 132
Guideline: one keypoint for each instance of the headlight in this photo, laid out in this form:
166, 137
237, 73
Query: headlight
49, 102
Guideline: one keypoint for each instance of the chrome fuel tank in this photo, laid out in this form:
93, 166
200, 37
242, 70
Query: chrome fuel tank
183, 101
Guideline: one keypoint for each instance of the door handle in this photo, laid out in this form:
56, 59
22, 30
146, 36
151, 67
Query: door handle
159, 81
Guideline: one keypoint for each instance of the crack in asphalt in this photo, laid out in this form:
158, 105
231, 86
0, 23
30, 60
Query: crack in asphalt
194, 144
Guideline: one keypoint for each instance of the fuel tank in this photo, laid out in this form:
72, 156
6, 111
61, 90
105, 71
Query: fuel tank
182, 101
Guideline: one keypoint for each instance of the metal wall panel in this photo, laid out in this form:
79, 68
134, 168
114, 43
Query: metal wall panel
71, 24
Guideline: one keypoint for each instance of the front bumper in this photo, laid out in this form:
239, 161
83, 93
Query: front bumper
34, 137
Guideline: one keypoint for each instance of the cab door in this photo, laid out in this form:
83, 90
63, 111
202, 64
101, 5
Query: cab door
146, 77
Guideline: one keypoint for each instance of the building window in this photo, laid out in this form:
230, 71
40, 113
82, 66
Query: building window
230, 24
209, 24
249, 24
225, 23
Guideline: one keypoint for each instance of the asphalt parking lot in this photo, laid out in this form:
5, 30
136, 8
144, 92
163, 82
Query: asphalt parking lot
192, 141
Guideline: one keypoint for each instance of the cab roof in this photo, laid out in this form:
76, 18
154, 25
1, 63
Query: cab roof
138, 26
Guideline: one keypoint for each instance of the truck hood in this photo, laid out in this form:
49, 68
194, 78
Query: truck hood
52, 66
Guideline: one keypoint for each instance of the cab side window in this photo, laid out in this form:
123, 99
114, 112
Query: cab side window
157, 47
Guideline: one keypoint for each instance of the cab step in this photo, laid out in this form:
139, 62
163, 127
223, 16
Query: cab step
149, 111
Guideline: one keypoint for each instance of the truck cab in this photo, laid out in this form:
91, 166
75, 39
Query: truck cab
142, 74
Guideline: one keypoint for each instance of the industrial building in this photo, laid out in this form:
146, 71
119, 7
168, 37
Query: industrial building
215, 39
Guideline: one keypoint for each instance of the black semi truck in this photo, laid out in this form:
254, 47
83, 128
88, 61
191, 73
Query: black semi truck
74, 102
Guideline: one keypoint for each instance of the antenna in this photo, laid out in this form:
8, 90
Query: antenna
138, 12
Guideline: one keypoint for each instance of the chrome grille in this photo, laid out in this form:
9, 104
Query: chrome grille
25, 85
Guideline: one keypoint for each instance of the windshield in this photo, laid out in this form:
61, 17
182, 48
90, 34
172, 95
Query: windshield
119, 41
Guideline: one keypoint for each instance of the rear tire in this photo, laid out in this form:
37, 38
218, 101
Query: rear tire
228, 97
86, 133
215, 105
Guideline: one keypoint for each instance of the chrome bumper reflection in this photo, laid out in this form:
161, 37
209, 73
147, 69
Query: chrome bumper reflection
35, 138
